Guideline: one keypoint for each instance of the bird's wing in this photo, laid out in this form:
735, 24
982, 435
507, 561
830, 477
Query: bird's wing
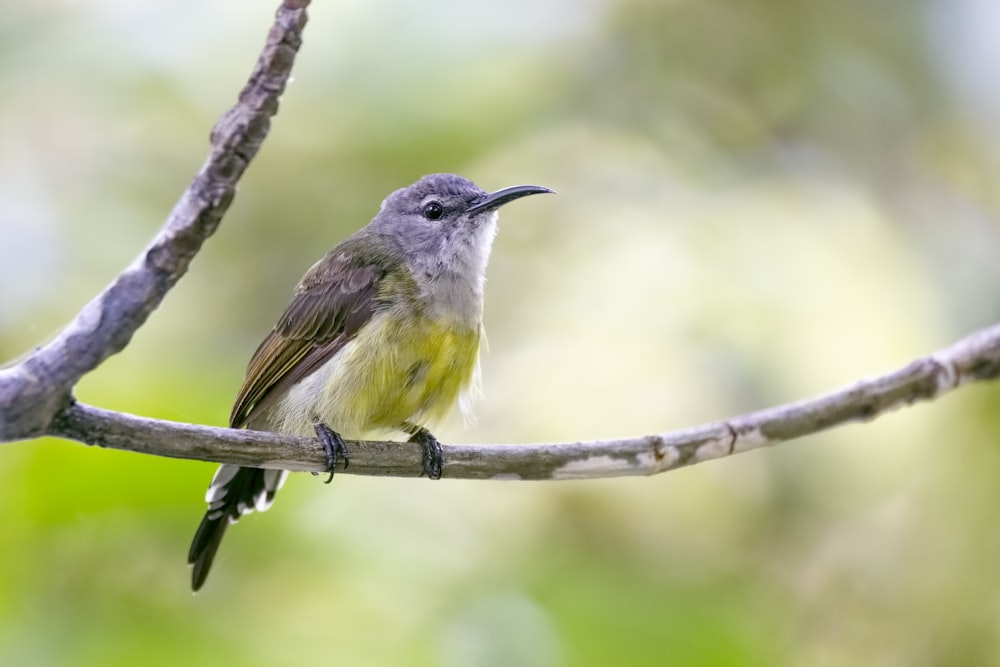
332, 302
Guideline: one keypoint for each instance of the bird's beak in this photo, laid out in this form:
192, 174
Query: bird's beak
497, 199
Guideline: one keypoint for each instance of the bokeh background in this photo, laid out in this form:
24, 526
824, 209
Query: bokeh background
760, 200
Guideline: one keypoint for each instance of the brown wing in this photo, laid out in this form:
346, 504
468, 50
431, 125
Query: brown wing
333, 301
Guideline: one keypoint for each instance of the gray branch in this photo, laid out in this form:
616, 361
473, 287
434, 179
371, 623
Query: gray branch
35, 390
975, 358
36, 394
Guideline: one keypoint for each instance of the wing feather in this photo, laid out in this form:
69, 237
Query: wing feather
337, 296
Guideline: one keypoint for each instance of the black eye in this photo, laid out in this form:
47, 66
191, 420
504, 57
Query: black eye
433, 210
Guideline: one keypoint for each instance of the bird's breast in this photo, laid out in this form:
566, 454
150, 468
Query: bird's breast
454, 300
401, 367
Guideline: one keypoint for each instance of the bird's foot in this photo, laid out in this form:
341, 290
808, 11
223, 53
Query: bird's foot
334, 447
433, 457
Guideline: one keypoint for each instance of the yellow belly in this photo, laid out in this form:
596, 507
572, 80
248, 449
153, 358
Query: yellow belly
389, 374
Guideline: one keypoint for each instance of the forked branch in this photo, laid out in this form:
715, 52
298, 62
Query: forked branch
36, 394
33, 391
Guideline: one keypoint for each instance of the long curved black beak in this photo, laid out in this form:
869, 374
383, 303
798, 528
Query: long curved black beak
505, 196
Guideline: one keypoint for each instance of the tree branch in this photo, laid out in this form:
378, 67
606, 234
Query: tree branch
972, 359
36, 398
35, 390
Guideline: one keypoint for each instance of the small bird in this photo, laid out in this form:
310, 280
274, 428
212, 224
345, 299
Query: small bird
382, 334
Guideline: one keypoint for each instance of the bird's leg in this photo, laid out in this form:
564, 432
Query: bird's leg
432, 449
333, 445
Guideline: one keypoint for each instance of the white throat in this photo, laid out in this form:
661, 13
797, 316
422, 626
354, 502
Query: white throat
454, 286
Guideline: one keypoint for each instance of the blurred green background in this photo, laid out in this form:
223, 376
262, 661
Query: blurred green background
760, 200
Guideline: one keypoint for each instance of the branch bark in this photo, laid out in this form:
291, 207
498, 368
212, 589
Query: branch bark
35, 390
36, 394
972, 359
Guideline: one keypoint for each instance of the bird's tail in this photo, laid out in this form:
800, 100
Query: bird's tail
234, 491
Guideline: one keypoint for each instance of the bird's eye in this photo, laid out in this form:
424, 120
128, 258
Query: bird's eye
433, 210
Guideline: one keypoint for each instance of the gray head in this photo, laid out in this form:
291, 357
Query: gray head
443, 226
445, 215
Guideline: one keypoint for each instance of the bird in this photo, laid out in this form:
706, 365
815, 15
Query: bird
381, 335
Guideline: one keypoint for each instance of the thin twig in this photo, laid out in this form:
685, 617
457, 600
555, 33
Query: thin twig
974, 358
